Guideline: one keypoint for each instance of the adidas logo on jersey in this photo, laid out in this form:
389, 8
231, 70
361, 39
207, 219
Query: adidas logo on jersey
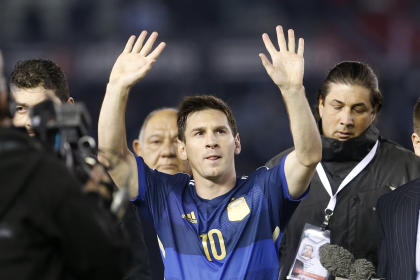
190, 217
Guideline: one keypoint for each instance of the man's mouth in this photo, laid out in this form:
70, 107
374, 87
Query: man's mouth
213, 157
344, 135
31, 132
168, 166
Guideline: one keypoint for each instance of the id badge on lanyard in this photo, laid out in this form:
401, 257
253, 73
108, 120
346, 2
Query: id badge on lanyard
307, 263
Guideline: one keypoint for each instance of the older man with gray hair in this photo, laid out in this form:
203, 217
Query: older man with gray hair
157, 141
157, 144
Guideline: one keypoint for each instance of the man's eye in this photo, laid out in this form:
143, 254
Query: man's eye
221, 131
20, 109
156, 142
337, 107
359, 111
198, 133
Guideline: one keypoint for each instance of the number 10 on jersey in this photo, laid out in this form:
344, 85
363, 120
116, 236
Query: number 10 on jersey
209, 237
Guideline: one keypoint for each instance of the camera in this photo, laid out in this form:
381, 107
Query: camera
63, 130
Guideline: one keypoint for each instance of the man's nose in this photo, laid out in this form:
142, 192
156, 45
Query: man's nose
22, 120
211, 141
27, 121
169, 148
346, 117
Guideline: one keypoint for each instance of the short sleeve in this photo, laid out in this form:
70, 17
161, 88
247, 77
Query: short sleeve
276, 184
281, 204
154, 188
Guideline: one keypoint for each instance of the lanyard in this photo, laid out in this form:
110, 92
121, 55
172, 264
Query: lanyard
353, 173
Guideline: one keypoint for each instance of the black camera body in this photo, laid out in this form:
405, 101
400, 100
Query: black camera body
63, 129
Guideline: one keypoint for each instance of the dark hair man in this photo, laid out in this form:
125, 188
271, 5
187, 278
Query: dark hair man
215, 225
357, 167
49, 228
32, 81
415, 137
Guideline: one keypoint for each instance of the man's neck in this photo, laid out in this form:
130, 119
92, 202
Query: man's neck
209, 188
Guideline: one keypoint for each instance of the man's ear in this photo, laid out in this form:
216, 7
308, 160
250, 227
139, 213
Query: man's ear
182, 152
237, 144
136, 147
374, 114
415, 138
70, 100
320, 107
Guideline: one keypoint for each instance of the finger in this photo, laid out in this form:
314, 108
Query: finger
280, 38
301, 46
139, 42
149, 44
129, 44
291, 35
143, 71
268, 44
266, 63
148, 66
157, 51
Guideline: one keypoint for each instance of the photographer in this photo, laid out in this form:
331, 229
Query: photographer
50, 227
33, 81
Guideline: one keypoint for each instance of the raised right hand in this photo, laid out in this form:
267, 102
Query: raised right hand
287, 65
135, 60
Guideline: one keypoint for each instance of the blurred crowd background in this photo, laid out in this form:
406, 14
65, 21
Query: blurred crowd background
212, 48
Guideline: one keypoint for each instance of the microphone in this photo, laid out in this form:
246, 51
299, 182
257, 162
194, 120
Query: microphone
341, 263
336, 259
362, 269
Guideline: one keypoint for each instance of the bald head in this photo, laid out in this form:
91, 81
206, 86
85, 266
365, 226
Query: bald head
157, 142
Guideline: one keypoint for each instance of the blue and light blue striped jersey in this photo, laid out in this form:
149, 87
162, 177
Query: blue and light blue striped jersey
233, 236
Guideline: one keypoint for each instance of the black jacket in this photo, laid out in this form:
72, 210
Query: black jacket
354, 224
399, 215
50, 229
147, 261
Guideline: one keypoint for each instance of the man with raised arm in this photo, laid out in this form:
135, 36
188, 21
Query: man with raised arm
214, 225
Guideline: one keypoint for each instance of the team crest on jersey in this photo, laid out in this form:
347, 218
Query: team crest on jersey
238, 209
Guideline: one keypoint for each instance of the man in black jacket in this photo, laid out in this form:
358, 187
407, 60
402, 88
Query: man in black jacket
348, 103
49, 227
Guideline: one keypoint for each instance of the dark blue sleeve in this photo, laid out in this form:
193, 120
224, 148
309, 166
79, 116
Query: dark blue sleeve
276, 185
154, 188
281, 204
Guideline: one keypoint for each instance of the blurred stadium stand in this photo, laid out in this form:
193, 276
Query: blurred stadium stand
213, 48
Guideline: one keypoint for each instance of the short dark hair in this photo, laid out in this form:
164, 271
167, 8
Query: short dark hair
41, 72
192, 104
352, 73
416, 117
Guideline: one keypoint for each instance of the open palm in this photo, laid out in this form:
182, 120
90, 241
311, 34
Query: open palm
135, 60
287, 66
